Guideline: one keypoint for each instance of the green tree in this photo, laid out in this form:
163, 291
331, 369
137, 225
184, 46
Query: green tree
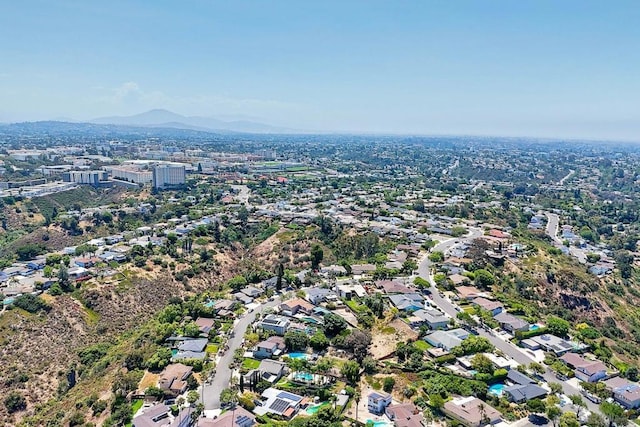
569, 419
553, 412
482, 364
483, 279
558, 326
579, 402
421, 283
388, 384
556, 388
63, 278
191, 330
536, 406
296, 340
317, 254
192, 397
436, 256
227, 396
334, 324
436, 401
613, 413
351, 371
596, 420
319, 341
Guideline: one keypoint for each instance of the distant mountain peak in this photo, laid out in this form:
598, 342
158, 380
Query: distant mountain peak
162, 117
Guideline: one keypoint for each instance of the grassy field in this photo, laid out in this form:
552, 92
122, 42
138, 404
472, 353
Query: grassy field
250, 363
422, 345
212, 349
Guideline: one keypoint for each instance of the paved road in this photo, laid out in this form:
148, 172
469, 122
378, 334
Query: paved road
553, 222
222, 374
243, 194
566, 177
506, 347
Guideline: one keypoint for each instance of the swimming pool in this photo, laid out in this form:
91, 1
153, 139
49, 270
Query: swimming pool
496, 389
297, 355
313, 409
378, 423
303, 376
210, 303
534, 327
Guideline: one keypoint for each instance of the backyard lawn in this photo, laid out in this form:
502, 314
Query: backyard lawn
249, 363
422, 345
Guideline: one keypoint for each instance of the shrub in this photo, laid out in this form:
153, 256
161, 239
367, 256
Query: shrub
15, 402
31, 303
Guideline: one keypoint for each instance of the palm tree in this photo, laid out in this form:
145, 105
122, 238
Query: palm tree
356, 397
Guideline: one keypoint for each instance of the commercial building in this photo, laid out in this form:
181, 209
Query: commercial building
168, 175
91, 177
131, 174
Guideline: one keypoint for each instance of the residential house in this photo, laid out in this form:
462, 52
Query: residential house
516, 377
109, 256
520, 393
292, 307
268, 370
252, 292
155, 416
472, 412
275, 323
550, 343
350, 290
469, 292
270, 283
628, 395
432, 318
243, 298
362, 269
79, 274
173, 378
393, 287
317, 295
334, 270
278, 402
205, 324
377, 403
191, 349
494, 307
616, 382
407, 302
511, 323
405, 415
459, 279
224, 307
447, 340
239, 417
37, 264
590, 371
86, 262
271, 347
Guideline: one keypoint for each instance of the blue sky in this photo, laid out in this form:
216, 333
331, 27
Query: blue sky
518, 67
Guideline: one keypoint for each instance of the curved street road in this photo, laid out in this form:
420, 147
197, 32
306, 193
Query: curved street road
210, 391
507, 347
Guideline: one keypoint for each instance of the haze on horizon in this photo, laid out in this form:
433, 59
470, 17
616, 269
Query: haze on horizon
543, 68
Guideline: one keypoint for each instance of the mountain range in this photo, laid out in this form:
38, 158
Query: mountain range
168, 119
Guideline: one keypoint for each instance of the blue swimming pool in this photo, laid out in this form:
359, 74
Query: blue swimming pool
303, 376
496, 389
297, 355
210, 303
534, 327
378, 423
